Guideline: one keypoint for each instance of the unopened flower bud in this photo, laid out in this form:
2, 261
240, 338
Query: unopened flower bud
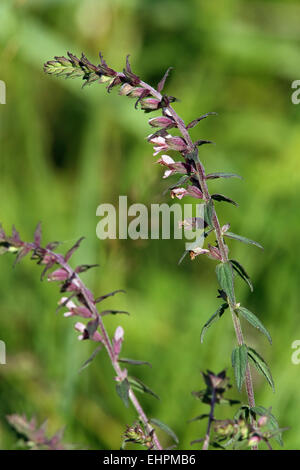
254, 440
225, 228
58, 275
162, 121
262, 421
118, 340
176, 143
136, 92
125, 89
150, 104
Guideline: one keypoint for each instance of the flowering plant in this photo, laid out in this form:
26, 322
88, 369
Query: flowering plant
247, 427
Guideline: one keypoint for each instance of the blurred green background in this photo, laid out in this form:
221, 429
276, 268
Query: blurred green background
65, 150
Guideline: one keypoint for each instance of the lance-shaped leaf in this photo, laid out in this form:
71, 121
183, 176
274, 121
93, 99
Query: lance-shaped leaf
22, 253
238, 268
162, 82
134, 362
113, 312
123, 391
182, 257
102, 297
213, 319
91, 358
261, 366
91, 328
221, 197
192, 156
38, 234
203, 142
203, 416
133, 79
15, 236
140, 386
84, 267
52, 245
208, 212
74, 248
196, 121
222, 174
272, 423
234, 236
164, 428
225, 279
239, 363
251, 318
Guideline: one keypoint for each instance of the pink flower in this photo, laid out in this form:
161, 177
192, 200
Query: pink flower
118, 340
74, 309
169, 162
198, 251
190, 191
159, 144
174, 167
85, 335
167, 142
58, 275
254, 440
179, 193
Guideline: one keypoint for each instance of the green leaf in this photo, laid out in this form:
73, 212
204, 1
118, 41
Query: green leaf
193, 156
222, 174
208, 212
251, 318
238, 268
225, 279
261, 366
183, 256
239, 363
91, 358
272, 423
199, 418
213, 319
242, 412
164, 428
123, 391
140, 386
221, 197
234, 236
134, 362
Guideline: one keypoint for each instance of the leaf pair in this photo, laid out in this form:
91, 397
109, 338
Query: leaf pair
225, 277
240, 356
124, 387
